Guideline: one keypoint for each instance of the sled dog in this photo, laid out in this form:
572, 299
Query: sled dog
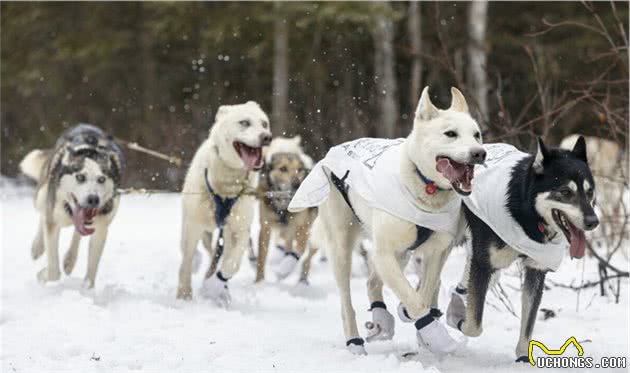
77, 184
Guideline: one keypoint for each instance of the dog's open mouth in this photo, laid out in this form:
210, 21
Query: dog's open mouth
251, 156
82, 218
460, 175
575, 236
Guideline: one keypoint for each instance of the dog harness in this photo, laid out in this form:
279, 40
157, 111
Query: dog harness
222, 208
371, 167
488, 201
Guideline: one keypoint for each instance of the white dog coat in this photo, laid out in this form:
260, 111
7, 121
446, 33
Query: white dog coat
372, 167
488, 201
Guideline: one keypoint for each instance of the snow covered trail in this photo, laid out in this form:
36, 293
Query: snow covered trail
131, 322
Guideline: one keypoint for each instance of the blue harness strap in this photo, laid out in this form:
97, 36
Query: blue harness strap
222, 208
422, 235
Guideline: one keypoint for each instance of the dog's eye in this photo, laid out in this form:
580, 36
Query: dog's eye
284, 169
589, 193
80, 178
451, 134
101, 180
265, 124
244, 123
477, 135
566, 192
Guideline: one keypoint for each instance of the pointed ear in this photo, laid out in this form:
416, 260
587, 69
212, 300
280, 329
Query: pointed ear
579, 150
297, 139
223, 109
425, 110
539, 159
458, 102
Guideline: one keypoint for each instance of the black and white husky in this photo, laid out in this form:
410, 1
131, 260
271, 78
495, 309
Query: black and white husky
524, 207
77, 182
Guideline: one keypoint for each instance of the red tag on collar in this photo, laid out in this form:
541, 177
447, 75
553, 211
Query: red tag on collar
430, 188
541, 227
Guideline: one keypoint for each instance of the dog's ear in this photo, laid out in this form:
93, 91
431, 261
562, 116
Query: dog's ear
541, 154
579, 150
223, 109
458, 102
426, 110
297, 139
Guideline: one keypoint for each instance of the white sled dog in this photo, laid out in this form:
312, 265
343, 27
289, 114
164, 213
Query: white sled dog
77, 183
212, 196
403, 194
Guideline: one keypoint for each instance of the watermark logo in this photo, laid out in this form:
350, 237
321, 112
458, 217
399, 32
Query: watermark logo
554, 358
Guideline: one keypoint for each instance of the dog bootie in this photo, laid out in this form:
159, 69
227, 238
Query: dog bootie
434, 336
456, 311
355, 345
286, 265
382, 326
216, 289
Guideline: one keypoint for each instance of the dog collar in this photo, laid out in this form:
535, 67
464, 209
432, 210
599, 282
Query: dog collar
430, 186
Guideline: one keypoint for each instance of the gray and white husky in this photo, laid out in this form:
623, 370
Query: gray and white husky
381, 187
77, 182
523, 207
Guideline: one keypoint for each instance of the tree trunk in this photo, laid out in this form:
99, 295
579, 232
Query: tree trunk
385, 74
477, 77
414, 25
280, 94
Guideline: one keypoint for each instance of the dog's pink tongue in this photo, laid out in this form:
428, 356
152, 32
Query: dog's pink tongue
578, 242
79, 216
252, 157
444, 166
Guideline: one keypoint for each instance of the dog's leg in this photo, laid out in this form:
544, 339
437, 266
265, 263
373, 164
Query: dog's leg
456, 310
97, 243
306, 264
263, 249
479, 279
382, 326
51, 242
70, 259
37, 248
191, 234
531, 294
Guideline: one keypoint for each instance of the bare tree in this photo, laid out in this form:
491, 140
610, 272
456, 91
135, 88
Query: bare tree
385, 75
414, 28
280, 94
477, 76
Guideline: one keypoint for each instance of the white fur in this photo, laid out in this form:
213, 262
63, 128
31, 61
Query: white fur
544, 206
288, 145
391, 235
33, 164
228, 177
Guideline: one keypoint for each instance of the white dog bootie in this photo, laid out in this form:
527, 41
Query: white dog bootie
433, 335
286, 265
216, 289
456, 311
382, 326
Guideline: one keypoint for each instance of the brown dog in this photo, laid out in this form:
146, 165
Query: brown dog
285, 168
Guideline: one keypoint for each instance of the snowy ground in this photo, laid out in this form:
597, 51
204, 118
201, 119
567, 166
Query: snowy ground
132, 322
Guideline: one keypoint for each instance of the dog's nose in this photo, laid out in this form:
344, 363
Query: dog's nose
92, 201
265, 139
295, 183
478, 156
591, 222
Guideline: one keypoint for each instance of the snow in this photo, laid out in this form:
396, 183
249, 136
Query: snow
131, 321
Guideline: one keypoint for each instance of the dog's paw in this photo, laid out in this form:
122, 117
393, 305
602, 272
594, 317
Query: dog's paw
435, 337
37, 249
216, 289
402, 314
286, 266
184, 293
44, 275
522, 359
382, 326
88, 284
355, 345
470, 329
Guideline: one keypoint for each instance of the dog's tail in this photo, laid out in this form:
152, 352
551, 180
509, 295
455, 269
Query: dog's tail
33, 164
